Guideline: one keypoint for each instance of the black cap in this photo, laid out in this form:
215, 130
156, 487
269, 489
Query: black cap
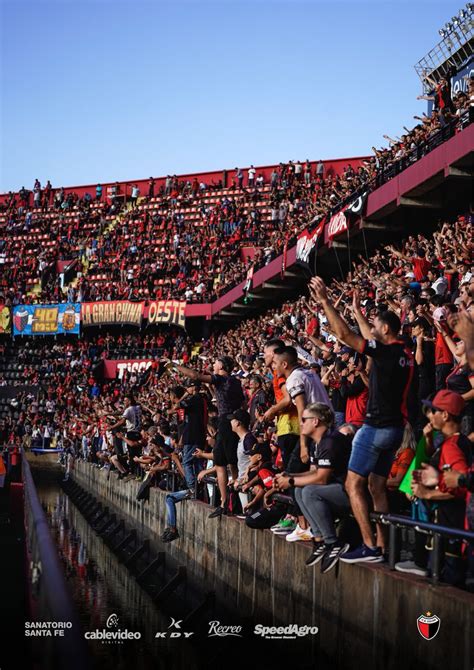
192, 382
263, 449
241, 416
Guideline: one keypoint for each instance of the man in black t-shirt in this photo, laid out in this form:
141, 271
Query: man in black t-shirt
229, 396
381, 434
194, 429
320, 492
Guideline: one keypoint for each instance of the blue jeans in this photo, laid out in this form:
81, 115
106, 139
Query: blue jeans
191, 465
171, 500
373, 450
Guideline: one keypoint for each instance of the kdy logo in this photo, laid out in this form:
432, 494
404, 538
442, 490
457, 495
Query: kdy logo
428, 625
176, 632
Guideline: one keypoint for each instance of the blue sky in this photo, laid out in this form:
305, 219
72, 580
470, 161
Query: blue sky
101, 90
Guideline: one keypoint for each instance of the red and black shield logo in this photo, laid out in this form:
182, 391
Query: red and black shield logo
428, 625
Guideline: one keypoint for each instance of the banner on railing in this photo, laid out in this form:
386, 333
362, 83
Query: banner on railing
5, 319
306, 248
113, 312
116, 369
46, 319
172, 312
340, 222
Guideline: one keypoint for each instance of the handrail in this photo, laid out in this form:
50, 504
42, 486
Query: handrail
49, 582
424, 526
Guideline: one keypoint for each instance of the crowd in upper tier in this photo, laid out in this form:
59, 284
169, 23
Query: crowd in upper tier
186, 240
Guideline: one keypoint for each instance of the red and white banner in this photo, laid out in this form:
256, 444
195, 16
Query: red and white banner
116, 369
337, 224
306, 243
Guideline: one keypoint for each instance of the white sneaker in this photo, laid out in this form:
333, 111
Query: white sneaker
299, 535
412, 568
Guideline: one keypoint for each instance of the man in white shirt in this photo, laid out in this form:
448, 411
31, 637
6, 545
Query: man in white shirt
251, 176
303, 385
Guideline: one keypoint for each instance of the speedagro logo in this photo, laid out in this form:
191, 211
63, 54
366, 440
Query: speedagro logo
116, 636
290, 632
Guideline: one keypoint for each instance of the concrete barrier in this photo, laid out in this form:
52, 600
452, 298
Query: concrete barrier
364, 613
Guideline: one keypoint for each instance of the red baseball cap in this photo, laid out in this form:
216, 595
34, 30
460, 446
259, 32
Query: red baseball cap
446, 401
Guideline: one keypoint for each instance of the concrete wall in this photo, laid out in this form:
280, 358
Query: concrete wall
363, 612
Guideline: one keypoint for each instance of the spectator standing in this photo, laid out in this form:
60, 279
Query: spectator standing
283, 410
251, 176
194, 429
304, 388
380, 436
230, 396
239, 175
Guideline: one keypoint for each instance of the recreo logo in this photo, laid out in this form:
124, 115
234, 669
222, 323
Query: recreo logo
216, 630
428, 625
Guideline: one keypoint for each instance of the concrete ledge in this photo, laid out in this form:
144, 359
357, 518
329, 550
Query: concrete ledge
363, 612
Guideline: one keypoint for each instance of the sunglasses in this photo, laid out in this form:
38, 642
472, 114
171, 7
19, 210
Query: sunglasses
305, 418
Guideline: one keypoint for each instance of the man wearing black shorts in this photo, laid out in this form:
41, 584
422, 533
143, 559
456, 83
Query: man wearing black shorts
229, 396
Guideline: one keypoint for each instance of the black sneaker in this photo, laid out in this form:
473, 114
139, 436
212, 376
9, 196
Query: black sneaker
316, 555
331, 555
219, 511
169, 535
122, 475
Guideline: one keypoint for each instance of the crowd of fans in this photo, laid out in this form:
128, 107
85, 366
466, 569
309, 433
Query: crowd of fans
185, 240
321, 400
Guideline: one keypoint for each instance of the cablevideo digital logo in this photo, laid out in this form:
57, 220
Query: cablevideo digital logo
428, 625
112, 634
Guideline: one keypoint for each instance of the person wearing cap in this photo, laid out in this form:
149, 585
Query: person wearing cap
240, 422
193, 435
259, 475
229, 396
447, 504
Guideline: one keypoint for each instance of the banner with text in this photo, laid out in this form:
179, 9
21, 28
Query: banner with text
172, 312
306, 248
116, 369
114, 312
340, 222
46, 319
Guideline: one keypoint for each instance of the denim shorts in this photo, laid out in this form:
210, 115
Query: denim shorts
373, 450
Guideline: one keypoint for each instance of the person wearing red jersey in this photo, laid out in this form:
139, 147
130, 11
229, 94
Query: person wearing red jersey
380, 436
455, 452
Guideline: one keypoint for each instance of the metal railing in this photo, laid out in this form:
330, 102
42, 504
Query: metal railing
49, 593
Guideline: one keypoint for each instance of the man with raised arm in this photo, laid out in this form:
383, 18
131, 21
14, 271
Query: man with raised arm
230, 397
380, 436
